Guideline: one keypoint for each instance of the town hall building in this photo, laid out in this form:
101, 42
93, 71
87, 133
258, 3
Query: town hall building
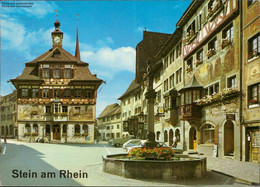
56, 96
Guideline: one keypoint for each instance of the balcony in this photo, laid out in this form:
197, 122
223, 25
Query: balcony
171, 116
190, 112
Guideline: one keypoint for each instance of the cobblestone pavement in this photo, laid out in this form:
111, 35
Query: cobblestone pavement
245, 171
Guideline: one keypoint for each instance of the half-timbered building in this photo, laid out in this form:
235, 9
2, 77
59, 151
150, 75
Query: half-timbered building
56, 96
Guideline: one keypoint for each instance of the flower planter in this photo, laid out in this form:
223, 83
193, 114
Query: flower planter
211, 53
190, 38
215, 11
225, 42
198, 62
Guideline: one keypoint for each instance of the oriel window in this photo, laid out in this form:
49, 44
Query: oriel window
57, 73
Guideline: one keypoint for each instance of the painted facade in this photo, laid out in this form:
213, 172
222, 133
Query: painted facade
56, 96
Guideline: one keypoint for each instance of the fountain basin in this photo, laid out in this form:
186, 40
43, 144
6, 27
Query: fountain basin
182, 167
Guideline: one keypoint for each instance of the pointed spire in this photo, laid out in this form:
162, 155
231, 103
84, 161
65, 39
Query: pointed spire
77, 53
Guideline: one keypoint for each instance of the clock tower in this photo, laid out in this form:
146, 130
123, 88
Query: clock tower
57, 35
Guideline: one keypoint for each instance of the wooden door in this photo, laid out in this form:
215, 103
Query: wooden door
56, 132
255, 145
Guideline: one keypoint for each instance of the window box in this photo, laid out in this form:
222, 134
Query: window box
190, 37
85, 134
27, 134
198, 62
188, 69
77, 134
253, 55
214, 11
211, 52
226, 42
35, 134
227, 93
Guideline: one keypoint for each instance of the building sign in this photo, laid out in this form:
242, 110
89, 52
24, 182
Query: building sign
230, 116
160, 111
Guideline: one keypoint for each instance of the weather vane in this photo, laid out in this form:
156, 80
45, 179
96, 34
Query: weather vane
57, 13
144, 28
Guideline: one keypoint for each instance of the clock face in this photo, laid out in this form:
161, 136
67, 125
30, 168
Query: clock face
56, 39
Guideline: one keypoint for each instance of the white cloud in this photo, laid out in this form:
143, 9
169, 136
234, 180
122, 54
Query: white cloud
16, 36
114, 60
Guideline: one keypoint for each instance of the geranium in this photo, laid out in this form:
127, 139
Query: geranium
188, 69
162, 152
252, 101
253, 54
211, 52
220, 96
225, 42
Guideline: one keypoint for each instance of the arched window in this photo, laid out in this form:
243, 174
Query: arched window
28, 128
208, 134
35, 128
165, 136
177, 135
64, 128
85, 128
158, 135
77, 128
48, 129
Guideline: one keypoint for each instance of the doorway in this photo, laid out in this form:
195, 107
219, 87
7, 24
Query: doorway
229, 139
193, 138
56, 132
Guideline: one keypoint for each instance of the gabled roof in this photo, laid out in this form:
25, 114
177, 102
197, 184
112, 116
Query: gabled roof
189, 12
146, 49
110, 110
131, 88
193, 83
62, 56
55, 55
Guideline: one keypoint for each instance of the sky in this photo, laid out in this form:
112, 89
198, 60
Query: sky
108, 34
